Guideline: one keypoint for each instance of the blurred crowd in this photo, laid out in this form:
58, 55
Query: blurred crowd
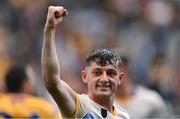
146, 31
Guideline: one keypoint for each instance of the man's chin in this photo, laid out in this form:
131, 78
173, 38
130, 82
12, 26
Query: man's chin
104, 94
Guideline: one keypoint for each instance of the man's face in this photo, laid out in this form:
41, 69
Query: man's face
102, 81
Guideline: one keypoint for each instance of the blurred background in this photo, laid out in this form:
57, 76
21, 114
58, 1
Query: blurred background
146, 31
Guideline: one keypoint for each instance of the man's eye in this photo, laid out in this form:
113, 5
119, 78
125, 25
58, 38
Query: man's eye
97, 72
111, 73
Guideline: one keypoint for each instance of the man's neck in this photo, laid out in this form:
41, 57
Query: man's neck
106, 102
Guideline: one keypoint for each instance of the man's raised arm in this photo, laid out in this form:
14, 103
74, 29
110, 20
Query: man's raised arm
59, 90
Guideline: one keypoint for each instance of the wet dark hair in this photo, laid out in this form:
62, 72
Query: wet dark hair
104, 57
14, 79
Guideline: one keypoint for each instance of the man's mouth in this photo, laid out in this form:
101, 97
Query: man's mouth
103, 86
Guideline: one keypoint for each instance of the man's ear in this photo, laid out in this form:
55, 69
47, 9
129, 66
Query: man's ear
84, 76
121, 77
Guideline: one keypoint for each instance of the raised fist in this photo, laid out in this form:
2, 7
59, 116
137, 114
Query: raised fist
55, 16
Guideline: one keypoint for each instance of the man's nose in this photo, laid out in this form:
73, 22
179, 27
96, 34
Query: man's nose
104, 77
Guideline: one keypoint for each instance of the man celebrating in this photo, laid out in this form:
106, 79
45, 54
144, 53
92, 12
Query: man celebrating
102, 74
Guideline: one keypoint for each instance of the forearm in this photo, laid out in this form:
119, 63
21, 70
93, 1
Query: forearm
49, 60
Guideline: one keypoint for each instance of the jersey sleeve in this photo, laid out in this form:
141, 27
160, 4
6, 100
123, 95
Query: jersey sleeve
81, 106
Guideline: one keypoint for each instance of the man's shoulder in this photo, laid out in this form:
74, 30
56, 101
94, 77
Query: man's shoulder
83, 97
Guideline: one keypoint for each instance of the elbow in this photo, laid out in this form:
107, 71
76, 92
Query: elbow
51, 85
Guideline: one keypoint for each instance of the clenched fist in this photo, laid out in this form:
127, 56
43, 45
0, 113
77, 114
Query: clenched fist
55, 16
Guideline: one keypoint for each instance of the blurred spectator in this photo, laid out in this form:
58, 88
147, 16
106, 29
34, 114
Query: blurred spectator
161, 77
18, 100
5, 59
159, 20
139, 101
